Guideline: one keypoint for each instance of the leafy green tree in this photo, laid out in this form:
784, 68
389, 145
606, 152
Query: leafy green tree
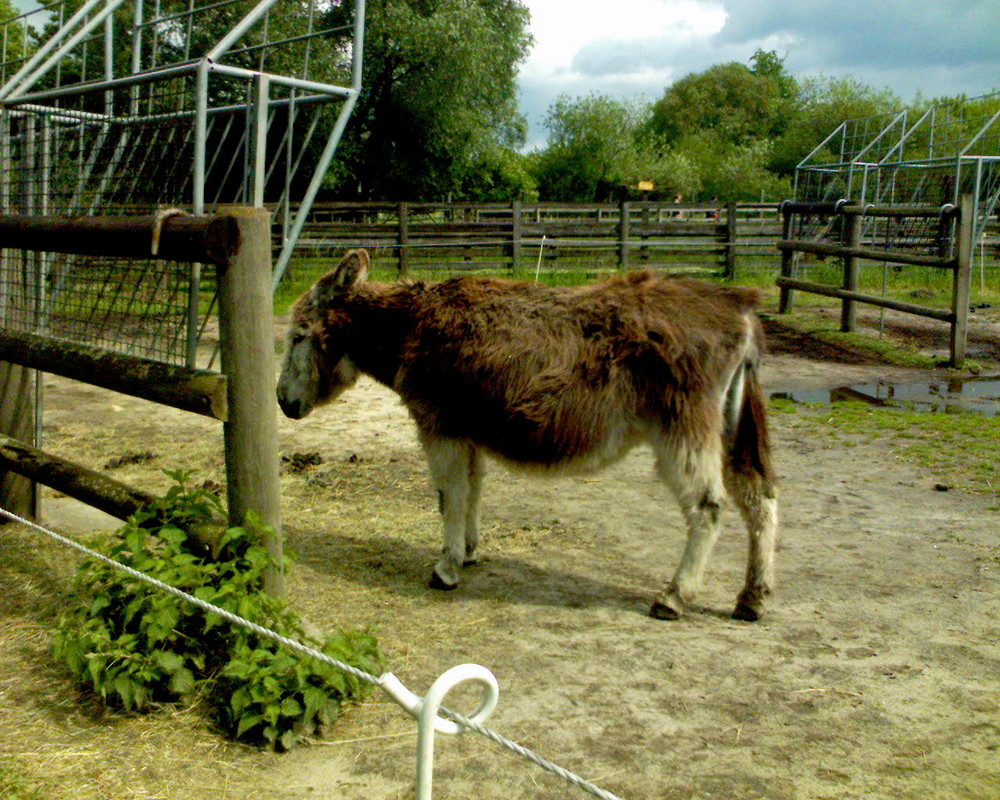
737, 102
823, 104
16, 42
438, 108
594, 147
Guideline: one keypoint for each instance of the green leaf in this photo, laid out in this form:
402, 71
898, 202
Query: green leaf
125, 689
272, 711
315, 699
247, 722
169, 661
239, 700
182, 682
290, 707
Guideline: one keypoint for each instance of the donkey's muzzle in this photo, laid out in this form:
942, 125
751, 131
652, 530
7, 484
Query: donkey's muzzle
293, 408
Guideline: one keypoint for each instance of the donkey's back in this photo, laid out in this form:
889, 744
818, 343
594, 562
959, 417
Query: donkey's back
571, 377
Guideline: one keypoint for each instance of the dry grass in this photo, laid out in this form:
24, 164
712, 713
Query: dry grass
363, 565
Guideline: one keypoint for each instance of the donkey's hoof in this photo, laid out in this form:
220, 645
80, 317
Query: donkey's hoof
662, 611
436, 582
746, 612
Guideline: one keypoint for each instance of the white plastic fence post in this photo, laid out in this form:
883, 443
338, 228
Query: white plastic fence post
428, 721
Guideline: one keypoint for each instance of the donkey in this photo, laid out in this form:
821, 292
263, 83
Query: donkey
564, 379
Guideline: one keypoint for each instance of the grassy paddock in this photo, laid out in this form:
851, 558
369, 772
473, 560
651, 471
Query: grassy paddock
920, 285
957, 451
14, 783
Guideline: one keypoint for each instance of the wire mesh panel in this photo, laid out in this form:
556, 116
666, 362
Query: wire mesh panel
140, 308
110, 107
950, 150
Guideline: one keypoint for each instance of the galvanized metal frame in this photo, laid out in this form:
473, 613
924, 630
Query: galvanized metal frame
869, 169
48, 108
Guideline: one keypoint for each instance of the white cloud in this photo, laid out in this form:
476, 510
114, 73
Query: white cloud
566, 34
636, 48
562, 30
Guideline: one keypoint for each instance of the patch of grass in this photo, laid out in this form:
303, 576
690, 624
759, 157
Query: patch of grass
14, 782
823, 329
958, 450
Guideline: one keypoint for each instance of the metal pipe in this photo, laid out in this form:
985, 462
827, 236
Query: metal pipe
47, 48
13, 91
312, 190
260, 142
240, 29
200, 138
282, 80
357, 59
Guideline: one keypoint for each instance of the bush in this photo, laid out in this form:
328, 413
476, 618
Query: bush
133, 645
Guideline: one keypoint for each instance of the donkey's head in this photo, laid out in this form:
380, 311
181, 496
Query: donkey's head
315, 368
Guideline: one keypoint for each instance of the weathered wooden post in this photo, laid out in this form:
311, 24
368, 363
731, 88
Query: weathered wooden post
403, 238
246, 338
18, 495
730, 269
516, 236
848, 312
962, 281
787, 260
624, 234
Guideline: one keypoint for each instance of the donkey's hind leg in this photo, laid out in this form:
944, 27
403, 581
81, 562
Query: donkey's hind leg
756, 497
694, 474
449, 461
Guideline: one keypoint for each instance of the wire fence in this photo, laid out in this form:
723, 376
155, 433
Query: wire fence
388, 682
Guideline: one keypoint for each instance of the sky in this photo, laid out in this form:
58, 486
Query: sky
636, 48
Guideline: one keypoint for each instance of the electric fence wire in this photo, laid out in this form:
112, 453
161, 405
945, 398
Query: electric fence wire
302, 649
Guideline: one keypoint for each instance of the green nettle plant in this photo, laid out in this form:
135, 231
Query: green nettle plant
133, 645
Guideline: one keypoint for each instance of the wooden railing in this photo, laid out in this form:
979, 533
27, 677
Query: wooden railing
525, 236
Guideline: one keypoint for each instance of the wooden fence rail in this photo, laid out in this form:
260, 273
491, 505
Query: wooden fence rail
237, 241
948, 233
521, 236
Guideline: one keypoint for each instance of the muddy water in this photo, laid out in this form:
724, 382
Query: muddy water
947, 396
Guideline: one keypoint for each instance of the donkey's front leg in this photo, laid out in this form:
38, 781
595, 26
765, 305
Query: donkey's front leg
449, 461
476, 470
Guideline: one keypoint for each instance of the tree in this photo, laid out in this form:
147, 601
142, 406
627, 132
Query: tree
738, 103
823, 104
439, 103
17, 42
593, 148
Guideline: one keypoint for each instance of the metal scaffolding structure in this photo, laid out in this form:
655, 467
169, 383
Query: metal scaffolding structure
111, 107
930, 158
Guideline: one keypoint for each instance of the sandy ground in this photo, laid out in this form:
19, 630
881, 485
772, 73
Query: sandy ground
875, 673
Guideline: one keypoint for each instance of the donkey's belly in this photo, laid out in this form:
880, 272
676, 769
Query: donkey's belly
565, 450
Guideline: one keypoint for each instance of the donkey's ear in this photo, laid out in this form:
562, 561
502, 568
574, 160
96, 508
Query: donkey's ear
352, 270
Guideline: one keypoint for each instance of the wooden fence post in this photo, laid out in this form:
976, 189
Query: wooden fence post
403, 236
962, 281
515, 237
787, 300
848, 312
624, 233
730, 269
17, 420
246, 338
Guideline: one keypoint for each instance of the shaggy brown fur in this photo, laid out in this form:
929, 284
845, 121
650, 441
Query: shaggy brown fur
560, 378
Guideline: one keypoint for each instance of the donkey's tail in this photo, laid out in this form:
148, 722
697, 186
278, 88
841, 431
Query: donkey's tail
747, 439
750, 445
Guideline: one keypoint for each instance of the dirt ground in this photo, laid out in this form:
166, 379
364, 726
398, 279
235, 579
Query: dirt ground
875, 673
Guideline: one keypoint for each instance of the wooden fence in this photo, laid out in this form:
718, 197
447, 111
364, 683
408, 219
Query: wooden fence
903, 235
236, 241
522, 237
